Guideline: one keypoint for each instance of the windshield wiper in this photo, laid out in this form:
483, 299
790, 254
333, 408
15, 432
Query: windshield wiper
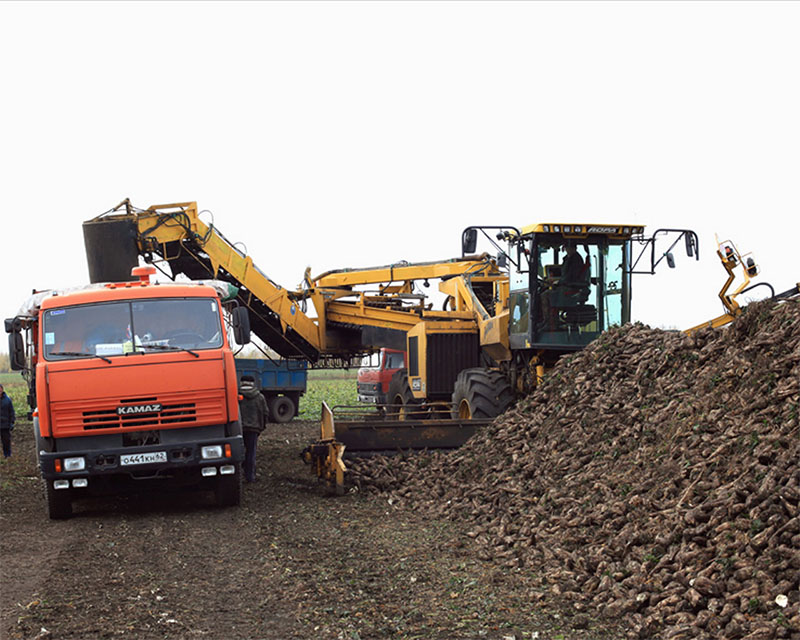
167, 347
79, 353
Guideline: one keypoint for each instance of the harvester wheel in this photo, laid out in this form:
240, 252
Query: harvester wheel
59, 501
481, 393
400, 395
281, 409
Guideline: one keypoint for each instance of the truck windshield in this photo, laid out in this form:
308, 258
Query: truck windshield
394, 360
140, 326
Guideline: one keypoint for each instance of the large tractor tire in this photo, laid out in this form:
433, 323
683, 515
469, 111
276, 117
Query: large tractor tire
481, 393
281, 409
59, 501
399, 394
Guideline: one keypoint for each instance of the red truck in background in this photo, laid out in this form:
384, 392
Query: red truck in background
373, 382
132, 384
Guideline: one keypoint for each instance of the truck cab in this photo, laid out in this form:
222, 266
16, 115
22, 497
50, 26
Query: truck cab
373, 382
131, 383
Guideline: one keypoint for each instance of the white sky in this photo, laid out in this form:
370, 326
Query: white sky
353, 134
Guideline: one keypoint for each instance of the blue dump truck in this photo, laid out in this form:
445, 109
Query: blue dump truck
282, 382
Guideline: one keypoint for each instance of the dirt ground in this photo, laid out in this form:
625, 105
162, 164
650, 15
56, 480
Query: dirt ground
290, 562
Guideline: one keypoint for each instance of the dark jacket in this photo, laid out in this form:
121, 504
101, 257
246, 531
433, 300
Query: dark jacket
574, 270
7, 415
252, 409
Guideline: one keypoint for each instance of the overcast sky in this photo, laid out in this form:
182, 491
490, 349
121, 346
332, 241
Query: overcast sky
343, 134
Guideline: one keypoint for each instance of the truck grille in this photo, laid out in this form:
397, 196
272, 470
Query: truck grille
168, 415
168, 410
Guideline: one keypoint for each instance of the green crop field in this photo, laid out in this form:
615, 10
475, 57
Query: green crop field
333, 374
17, 389
336, 387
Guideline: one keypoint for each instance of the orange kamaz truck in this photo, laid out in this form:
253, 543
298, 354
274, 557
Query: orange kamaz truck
132, 385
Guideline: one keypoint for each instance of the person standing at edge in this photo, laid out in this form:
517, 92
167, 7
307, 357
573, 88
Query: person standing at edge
253, 414
7, 420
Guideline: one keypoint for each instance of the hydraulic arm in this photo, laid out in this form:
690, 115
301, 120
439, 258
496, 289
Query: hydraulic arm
731, 259
349, 322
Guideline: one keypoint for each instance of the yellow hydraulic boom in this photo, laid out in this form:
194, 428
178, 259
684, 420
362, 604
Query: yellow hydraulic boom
731, 259
173, 236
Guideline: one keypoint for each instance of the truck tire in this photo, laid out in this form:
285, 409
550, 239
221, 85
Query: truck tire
281, 409
400, 395
481, 393
59, 501
229, 489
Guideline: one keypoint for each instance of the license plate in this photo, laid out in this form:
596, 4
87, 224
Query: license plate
143, 458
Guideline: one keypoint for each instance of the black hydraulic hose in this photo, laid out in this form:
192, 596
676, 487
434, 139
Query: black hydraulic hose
760, 284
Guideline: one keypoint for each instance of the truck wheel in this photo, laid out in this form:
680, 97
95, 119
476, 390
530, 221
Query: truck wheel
229, 489
480, 393
400, 395
59, 501
281, 409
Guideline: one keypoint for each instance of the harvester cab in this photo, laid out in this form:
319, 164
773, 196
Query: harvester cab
570, 282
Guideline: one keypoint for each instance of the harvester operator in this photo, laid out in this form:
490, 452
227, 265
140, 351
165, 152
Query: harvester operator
570, 288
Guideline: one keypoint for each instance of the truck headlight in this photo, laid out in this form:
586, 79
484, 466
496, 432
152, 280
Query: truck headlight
213, 451
74, 464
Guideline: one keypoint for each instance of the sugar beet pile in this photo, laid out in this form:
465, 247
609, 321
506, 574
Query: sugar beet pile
653, 478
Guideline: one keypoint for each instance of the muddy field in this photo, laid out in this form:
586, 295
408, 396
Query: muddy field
291, 562
648, 489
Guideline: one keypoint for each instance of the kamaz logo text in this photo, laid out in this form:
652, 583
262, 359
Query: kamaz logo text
138, 408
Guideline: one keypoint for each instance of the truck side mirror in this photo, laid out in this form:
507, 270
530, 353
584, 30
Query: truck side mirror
469, 241
670, 260
241, 325
16, 351
502, 260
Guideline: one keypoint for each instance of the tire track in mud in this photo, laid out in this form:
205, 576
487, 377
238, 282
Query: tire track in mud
290, 562
29, 543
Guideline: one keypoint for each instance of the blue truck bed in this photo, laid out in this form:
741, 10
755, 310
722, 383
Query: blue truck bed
282, 382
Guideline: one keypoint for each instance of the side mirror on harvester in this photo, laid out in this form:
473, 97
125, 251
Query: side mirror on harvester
241, 325
689, 244
469, 241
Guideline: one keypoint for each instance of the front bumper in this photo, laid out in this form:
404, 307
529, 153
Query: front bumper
169, 458
378, 398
